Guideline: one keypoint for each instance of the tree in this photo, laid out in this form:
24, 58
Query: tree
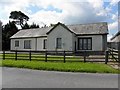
26, 26
34, 26
7, 31
52, 24
19, 18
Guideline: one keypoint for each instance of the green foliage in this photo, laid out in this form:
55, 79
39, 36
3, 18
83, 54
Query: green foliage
19, 17
26, 26
34, 26
7, 31
59, 66
52, 24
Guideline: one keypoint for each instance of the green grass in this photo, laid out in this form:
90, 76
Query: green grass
60, 66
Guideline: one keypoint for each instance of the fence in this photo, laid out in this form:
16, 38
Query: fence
114, 51
114, 54
114, 45
69, 56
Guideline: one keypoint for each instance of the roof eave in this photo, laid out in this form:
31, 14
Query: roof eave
92, 34
117, 34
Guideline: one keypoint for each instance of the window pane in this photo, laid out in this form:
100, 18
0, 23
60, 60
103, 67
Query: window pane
59, 43
16, 43
27, 44
80, 44
89, 44
84, 43
45, 44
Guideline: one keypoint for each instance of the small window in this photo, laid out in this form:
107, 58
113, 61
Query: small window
45, 44
58, 43
16, 43
27, 44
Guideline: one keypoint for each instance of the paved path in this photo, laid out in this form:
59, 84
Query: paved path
26, 78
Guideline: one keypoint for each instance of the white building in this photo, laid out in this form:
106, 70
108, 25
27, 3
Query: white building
91, 37
115, 41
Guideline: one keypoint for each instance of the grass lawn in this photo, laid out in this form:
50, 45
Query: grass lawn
60, 66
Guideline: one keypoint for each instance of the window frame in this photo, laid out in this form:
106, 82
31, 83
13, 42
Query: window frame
83, 47
16, 43
58, 46
27, 45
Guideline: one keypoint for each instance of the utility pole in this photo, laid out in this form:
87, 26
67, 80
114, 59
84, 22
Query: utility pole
0, 36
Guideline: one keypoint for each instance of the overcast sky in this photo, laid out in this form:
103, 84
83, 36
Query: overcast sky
66, 11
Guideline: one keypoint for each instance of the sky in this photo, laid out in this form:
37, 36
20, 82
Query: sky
45, 12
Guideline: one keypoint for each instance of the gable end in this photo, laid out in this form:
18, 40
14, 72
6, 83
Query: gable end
62, 26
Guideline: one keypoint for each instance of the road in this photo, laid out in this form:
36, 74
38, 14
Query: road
27, 78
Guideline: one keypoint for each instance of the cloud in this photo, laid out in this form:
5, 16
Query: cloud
113, 26
45, 18
72, 12
114, 17
6, 6
114, 2
83, 13
109, 37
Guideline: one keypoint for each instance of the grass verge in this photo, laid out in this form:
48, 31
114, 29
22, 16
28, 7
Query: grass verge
60, 66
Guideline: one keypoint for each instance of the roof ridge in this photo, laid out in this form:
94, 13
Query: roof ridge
86, 23
36, 28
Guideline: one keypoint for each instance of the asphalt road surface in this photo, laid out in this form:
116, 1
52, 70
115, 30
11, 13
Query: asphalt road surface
27, 78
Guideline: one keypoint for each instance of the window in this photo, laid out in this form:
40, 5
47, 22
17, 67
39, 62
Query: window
27, 44
58, 43
45, 44
84, 43
16, 43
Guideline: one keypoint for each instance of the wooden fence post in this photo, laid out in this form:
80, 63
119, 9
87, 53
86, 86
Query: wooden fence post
106, 56
30, 55
15, 55
64, 56
3, 55
45, 56
84, 56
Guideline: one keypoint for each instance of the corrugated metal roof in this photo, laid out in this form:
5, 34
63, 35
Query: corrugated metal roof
93, 28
